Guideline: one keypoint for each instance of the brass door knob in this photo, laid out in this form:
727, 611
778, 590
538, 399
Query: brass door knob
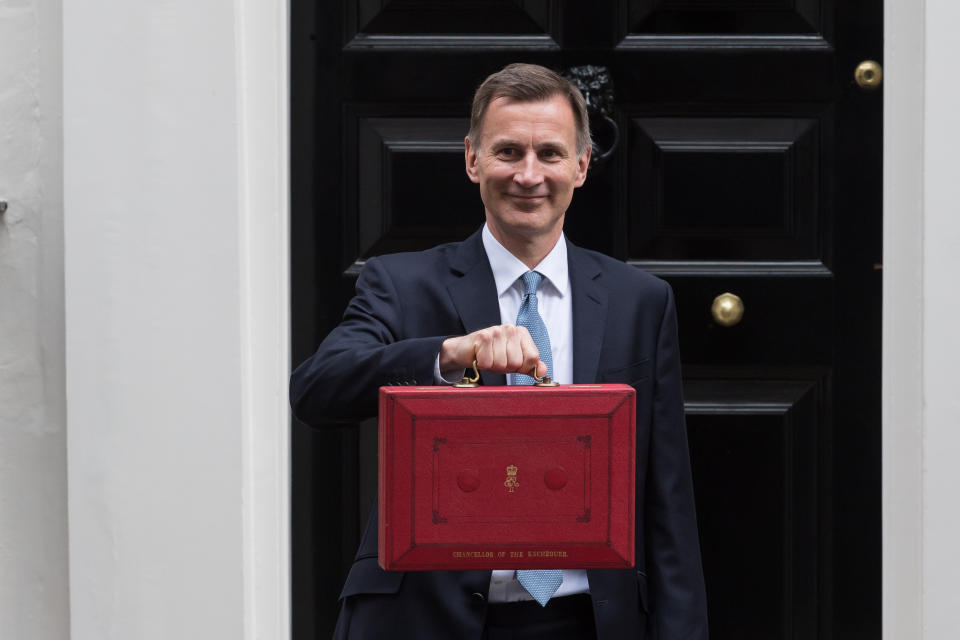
869, 74
727, 309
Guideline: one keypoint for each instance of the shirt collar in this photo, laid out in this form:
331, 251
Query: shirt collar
507, 268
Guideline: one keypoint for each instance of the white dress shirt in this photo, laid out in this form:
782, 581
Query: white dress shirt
555, 307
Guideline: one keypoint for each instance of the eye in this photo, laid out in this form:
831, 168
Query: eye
507, 152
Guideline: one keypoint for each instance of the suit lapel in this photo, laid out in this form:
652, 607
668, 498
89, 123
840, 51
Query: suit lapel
474, 294
589, 313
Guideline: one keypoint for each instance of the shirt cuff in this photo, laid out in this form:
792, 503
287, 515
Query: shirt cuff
447, 377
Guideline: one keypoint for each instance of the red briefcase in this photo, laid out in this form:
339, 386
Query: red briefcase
507, 477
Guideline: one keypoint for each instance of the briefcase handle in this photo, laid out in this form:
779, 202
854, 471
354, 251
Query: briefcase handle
468, 383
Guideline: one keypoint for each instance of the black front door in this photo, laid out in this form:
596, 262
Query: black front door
748, 162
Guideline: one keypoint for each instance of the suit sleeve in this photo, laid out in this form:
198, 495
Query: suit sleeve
675, 574
365, 351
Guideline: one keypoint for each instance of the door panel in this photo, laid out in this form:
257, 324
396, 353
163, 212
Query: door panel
770, 19
411, 188
748, 162
725, 188
759, 526
374, 22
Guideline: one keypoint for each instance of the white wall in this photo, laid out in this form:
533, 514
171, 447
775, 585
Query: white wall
33, 485
921, 313
153, 370
941, 323
177, 315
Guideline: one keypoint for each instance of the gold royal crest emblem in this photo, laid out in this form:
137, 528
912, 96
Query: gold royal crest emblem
511, 482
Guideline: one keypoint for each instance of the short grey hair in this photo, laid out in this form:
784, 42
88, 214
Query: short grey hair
529, 83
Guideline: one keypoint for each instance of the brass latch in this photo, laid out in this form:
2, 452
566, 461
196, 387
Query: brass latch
468, 383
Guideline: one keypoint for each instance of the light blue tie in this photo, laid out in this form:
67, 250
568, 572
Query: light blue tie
529, 317
539, 583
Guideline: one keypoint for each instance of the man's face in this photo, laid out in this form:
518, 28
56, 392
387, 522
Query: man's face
527, 167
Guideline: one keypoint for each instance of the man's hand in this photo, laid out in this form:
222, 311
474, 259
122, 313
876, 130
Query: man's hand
503, 348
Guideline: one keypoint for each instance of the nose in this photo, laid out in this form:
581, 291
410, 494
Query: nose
528, 172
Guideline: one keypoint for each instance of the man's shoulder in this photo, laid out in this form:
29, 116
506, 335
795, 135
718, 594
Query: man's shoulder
438, 257
617, 273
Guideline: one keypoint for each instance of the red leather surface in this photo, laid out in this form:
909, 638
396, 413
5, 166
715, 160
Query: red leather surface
507, 477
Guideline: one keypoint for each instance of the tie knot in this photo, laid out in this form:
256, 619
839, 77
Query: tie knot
531, 280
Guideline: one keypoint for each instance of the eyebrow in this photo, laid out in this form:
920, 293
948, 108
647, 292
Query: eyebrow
553, 146
550, 145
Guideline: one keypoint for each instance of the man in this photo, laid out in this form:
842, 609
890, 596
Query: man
514, 296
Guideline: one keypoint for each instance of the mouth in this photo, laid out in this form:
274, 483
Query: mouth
527, 198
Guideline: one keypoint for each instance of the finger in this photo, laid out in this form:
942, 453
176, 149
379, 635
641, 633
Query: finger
531, 355
483, 352
514, 349
500, 349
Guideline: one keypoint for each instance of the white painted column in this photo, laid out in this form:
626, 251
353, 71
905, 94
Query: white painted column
177, 316
941, 323
903, 310
264, 123
34, 600
921, 313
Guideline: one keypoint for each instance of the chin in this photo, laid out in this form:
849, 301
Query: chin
528, 227
527, 223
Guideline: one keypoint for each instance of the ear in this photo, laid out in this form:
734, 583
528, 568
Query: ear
583, 163
470, 158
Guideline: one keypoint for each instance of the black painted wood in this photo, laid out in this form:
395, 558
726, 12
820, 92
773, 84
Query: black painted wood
716, 17
734, 188
749, 162
411, 189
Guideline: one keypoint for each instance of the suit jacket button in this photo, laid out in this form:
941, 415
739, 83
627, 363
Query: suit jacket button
478, 597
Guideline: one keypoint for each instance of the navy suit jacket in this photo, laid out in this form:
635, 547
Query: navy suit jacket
624, 329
